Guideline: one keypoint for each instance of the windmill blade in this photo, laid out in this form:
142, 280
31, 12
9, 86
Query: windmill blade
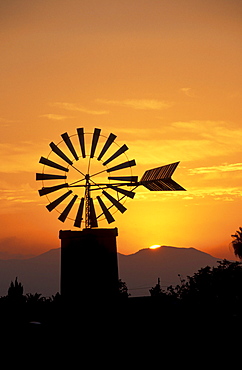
109, 141
80, 133
116, 154
122, 165
115, 202
159, 179
95, 138
127, 193
106, 212
51, 189
69, 144
59, 152
78, 219
67, 210
49, 163
93, 218
45, 176
56, 202
124, 178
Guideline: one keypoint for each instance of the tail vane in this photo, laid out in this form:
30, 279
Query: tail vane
159, 179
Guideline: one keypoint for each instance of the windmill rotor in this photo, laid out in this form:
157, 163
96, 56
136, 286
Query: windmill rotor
80, 182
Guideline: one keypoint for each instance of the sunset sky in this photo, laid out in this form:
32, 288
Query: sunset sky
164, 76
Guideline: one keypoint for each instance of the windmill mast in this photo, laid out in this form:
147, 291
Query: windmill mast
87, 204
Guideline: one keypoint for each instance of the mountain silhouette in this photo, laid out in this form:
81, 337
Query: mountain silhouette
39, 274
140, 270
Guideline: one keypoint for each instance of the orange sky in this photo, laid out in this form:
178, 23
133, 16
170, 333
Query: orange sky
164, 76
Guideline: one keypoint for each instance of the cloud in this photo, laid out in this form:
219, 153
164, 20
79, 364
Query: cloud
20, 158
186, 141
221, 168
221, 137
15, 196
54, 117
6, 122
187, 91
78, 108
217, 192
192, 194
143, 104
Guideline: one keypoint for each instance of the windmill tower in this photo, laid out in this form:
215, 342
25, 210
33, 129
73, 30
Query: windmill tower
89, 184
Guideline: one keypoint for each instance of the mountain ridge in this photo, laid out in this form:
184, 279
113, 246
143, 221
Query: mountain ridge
140, 270
167, 246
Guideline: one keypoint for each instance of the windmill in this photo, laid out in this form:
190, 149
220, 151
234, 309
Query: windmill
92, 197
87, 178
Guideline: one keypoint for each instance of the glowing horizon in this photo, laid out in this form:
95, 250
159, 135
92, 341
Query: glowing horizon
155, 246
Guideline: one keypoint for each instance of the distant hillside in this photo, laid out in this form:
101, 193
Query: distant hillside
140, 270
39, 274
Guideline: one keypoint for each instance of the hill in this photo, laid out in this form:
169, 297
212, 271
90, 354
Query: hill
39, 274
140, 270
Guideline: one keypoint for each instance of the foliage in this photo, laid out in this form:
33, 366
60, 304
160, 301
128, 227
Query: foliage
15, 291
156, 291
217, 289
237, 243
122, 289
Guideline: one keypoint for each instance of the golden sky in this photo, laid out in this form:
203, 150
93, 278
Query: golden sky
164, 76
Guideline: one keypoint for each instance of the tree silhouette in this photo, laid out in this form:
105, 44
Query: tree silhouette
15, 291
237, 243
156, 291
122, 289
34, 298
217, 289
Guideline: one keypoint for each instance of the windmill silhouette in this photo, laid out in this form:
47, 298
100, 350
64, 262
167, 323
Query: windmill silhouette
91, 177
83, 191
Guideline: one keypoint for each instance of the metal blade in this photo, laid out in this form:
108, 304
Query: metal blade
109, 141
163, 172
56, 202
80, 133
124, 178
163, 185
106, 212
95, 138
66, 211
50, 189
116, 154
159, 179
45, 176
128, 193
78, 219
93, 218
69, 144
59, 152
115, 202
49, 163
122, 165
